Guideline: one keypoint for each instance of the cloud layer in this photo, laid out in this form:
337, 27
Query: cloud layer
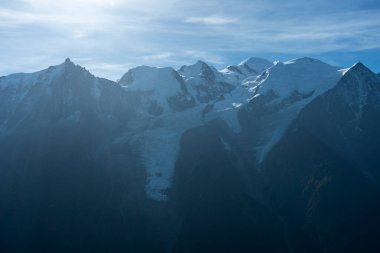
108, 37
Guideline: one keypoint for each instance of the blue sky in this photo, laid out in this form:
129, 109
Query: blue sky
110, 36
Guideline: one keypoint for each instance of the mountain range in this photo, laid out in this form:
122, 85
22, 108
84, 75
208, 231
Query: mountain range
257, 157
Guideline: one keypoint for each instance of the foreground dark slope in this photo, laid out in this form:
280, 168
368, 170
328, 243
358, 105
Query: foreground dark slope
217, 212
64, 184
71, 183
323, 176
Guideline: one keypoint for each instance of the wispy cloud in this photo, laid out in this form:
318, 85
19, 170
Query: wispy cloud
204, 55
212, 20
118, 34
160, 56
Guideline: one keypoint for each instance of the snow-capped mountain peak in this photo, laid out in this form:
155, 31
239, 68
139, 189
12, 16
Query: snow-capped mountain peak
249, 68
163, 89
29, 79
255, 64
359, 66
193, 68
68, 62
359, 85
62, 93
357, 72
205, 82
165, 102
200, 70
281, 92
146, 78
304, 75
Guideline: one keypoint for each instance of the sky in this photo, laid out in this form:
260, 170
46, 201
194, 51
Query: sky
108, 37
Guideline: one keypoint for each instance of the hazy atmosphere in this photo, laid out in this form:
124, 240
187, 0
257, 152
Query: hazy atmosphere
178, 126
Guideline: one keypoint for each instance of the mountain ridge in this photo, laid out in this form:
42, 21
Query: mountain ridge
168, 102
282, 159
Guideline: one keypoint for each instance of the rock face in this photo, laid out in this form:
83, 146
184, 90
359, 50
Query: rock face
324, 173
258, 157
205, 82
62, 95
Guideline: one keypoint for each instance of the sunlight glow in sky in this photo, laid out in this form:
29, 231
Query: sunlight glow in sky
110, 36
